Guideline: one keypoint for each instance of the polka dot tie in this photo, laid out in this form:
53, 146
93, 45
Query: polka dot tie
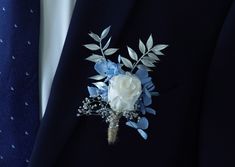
19, 101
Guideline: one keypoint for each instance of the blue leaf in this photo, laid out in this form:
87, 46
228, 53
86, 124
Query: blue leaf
143, 123
150, 110
132, 124
143, 134
93, 91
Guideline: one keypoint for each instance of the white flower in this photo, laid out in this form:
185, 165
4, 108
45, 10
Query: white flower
124, 91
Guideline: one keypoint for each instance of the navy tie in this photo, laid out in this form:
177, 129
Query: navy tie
19, 95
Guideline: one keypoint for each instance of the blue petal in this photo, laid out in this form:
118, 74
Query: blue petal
101, 67
146, 80
147, 93
147, 100
149, 86
143, 134
142, 108
93, 91
132, 124
143, 123
150, 110
141, 74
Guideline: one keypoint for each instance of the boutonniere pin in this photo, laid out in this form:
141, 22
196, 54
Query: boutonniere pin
123, 89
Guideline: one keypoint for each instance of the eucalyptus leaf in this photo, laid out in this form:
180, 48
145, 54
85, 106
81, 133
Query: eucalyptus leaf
94, 58
132, 54
100, 85
92, 46
153, 56
142, 47
94, 36
147, 62
149, 43
105, 32
107, 44
127, 62
97, 77
110, 51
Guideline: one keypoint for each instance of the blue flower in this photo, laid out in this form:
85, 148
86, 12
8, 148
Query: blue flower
143, 75
108, 68
147, 86
94, 92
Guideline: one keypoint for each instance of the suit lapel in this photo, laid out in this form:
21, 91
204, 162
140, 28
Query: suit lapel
69, 85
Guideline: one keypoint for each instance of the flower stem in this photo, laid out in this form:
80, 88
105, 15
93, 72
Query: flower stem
113, 128
101, 50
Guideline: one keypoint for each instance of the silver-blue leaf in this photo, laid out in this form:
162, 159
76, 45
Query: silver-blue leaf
105, 32
149, 43
127, 62
94, 36
94, 58
159, 47
110, 51
153, 57
92, 46
132, 53
107, 44
158, 53
97, 77
141, 47
147, 62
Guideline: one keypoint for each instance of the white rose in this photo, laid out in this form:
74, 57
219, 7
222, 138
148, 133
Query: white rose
124, 91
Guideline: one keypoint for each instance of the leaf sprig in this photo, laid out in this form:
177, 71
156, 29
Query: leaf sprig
104, 50
149, 55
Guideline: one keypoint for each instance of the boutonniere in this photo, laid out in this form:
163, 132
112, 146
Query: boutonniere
123, 89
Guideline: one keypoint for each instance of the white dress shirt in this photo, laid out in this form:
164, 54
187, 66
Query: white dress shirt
55, 20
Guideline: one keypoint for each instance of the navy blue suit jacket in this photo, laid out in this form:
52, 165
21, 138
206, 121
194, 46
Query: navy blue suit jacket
195, 124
